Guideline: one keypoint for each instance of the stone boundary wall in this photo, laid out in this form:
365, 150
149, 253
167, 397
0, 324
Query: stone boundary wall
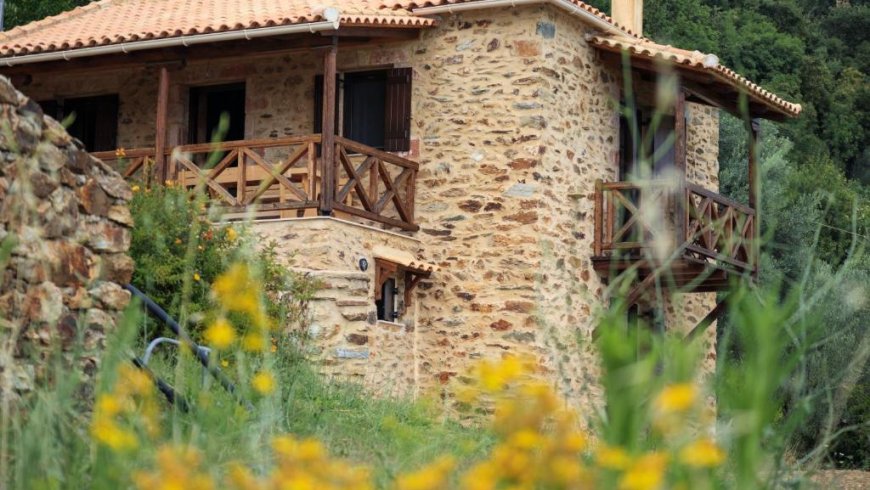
65, 215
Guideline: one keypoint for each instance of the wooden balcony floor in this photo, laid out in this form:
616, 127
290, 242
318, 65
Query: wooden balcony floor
685, 274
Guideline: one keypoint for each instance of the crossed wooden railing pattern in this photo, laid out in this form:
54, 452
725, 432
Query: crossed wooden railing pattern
719, 229
243, 175
135, 164
707, 226
282, 177
391, 181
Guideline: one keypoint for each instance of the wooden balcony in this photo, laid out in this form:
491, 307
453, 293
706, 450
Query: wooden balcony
283, 178
684, 237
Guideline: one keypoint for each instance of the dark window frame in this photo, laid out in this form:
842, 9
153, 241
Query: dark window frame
96, 118
396, 111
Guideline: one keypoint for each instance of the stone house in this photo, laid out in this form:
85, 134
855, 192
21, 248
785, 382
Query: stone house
469, 178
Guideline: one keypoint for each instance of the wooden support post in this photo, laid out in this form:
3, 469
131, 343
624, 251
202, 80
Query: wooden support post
160, 125
640, 288
754, 195
680, 136
707, 320
327, 158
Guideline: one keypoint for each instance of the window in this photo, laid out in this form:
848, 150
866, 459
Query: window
387, 302
375, 107
94, 119
655, 145
208, 103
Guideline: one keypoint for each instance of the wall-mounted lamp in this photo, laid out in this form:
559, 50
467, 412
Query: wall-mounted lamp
363, 264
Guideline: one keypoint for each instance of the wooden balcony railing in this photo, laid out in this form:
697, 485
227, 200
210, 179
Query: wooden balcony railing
632, 218
282, 177
268, 175
133, 164
719, 229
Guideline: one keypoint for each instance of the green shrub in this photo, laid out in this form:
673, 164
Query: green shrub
179, 251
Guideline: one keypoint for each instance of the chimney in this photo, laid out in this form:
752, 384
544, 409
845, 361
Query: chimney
628, 14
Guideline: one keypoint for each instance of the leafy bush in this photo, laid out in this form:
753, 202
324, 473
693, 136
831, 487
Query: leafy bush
179, 252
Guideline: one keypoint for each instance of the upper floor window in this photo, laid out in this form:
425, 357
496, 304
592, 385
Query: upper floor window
94, 119
647, 138
208, 103
373, 107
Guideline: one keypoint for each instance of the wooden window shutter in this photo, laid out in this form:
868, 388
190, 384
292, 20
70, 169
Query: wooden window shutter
397, 126
318, 103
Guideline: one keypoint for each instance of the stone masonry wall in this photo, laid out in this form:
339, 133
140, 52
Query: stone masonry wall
65, 215
512, 123
344, 332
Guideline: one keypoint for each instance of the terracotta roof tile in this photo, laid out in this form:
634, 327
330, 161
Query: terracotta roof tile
412, 4
115, 21
698, 61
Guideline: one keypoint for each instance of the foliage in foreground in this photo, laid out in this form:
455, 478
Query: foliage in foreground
302, 432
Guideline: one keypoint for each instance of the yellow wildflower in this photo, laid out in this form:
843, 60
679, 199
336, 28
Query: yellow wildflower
168, 182
232, 234
220, 334
263, 382
647, 473
109, 433
177, 467
107, 406
134, 381
613, 458
237, 291
254, 342
134, 188
574, 442
196, 276
526, 439
120, 152
431, 477
566, 471
703, 453
676, 398
225, 363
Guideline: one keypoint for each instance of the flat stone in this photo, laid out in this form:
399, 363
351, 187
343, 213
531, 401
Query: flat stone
104, 236
520, 190
92, 198
110, 295
121, 214
8, 94
115, 186
117, 268
351, 353
357, 339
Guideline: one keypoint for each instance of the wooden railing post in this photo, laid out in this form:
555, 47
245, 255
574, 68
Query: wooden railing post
327, 158
754, 197
599, 203
160, 126
680, 206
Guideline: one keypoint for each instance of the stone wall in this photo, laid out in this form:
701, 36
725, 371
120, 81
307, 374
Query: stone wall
512, 123
344, 332
65, 215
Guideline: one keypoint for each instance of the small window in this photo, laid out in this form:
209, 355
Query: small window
388, 302
94, 119
208, 103
376, 107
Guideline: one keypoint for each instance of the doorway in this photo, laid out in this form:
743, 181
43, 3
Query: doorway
208, 103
